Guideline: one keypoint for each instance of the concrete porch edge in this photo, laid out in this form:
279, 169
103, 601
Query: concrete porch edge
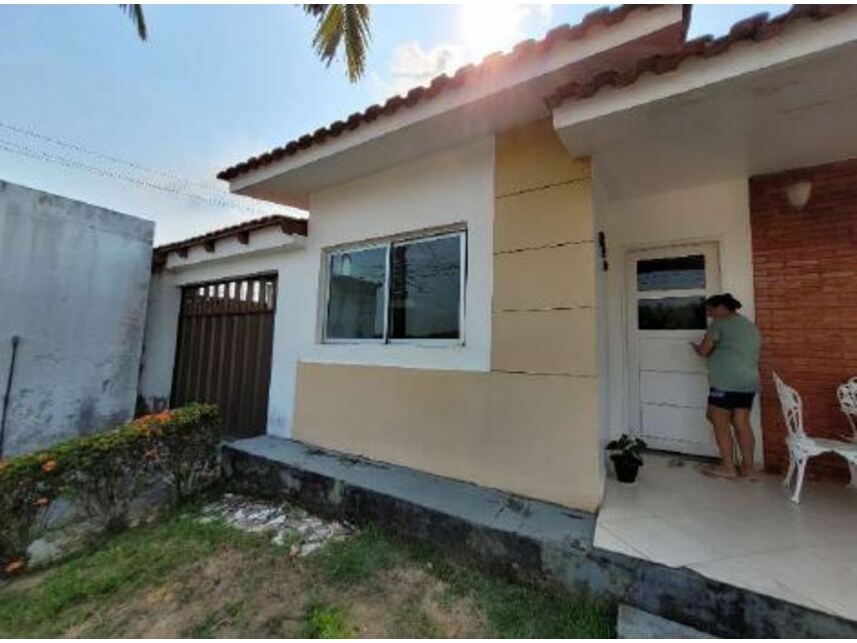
523, 536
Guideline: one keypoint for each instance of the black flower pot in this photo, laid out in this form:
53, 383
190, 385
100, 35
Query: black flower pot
626, 468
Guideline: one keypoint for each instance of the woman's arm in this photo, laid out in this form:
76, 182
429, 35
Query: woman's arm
705, 347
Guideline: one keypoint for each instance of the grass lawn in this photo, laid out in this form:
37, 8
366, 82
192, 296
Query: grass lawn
182, 578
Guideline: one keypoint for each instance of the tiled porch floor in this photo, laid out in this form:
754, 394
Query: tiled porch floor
747, 534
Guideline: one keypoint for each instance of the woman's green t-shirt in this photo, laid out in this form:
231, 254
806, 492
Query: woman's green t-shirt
734, 363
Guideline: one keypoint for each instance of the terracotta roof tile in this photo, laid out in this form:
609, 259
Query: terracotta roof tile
757, 28
603, 17
289, 225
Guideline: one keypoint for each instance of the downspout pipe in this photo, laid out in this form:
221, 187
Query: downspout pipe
6, 396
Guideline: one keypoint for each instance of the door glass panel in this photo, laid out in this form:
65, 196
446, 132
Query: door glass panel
425, 289
355, 306
671, 313
671, 273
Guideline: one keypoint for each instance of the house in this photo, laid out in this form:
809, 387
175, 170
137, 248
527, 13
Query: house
71, 330
502, 270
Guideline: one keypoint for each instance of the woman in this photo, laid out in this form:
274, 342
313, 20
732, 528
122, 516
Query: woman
731, 348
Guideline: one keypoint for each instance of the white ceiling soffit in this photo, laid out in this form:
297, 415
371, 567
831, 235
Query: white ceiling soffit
760, 107
458, 115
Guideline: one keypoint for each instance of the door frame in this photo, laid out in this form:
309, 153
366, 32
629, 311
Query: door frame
711, 247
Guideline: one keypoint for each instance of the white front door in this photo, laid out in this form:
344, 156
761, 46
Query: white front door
668, 386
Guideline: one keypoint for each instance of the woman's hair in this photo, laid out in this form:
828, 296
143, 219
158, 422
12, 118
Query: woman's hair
726, 300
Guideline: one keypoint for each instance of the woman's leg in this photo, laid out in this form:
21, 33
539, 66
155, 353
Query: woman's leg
721, 420
746, 441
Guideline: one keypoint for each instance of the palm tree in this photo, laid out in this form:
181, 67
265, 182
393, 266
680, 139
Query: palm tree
336, 23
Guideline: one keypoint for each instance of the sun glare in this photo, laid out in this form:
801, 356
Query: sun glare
489, 28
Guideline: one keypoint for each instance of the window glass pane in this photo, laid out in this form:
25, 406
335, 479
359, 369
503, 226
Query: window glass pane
671, 273
671, 313
355, 305
425, 289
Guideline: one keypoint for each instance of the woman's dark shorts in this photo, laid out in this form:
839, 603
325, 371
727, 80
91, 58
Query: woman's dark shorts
730, 400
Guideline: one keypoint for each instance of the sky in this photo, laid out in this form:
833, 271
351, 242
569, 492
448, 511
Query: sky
89, 112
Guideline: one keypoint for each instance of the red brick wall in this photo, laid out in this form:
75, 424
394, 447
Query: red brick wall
805, 266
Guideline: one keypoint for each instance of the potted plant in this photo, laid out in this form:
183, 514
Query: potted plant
627, 456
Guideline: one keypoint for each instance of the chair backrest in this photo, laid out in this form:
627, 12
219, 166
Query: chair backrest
792, 407
847, 394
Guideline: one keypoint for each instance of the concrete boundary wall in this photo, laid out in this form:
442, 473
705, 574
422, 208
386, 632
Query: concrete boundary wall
74, 281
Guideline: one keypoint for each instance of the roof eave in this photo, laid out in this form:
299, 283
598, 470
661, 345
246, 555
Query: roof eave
298, 171
704, 61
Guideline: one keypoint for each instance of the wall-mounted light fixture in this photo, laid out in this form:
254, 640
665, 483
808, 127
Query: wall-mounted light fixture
798, 194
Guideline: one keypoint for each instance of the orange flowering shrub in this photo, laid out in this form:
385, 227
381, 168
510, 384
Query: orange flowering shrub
27, 487
110, 469
148, 422
14, 566
187, 452
104, 472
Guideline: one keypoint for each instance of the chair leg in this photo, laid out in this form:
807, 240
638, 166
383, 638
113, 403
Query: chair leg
801, 468
787, 480
853, 467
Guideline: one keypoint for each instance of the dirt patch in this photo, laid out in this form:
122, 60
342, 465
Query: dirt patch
193, 578
232, 594
240, 594
406, 601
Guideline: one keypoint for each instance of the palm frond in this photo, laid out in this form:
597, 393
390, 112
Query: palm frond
357, 38
315, 10
135, 13
338, 22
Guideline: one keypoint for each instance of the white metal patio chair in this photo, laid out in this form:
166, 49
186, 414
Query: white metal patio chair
801, 446
847, 394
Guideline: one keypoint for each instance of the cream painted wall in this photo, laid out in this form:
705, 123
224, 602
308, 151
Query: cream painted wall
528, 426
529, 434
717, 212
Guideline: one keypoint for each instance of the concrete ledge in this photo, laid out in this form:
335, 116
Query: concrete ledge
502, 530
516, 535
637, 624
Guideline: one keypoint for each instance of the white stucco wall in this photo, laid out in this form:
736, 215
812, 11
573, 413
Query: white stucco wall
716, 212
452, 188
73, 285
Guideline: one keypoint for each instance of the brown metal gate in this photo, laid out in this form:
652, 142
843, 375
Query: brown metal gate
223, 354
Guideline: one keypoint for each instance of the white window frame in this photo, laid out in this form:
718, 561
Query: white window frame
460, 233
327, 274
